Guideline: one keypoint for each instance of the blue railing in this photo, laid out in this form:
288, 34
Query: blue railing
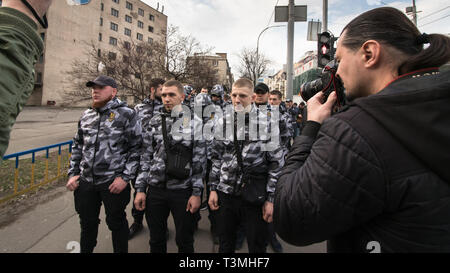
33, 156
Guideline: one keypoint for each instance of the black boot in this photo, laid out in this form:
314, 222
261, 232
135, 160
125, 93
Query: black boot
135, 228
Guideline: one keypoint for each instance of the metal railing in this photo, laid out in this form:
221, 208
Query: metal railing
46, 179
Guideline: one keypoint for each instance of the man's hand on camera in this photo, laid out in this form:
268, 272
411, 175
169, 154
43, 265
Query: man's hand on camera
319, 111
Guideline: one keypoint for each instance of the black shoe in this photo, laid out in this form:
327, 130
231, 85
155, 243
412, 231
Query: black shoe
215, 239
239, 240
204, 206
134, 229
275, 244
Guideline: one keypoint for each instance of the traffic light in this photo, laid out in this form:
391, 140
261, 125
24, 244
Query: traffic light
325, 50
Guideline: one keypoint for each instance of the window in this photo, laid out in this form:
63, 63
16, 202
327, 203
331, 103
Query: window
126, 45
150, 40
137, 75
43, 36
112, 41
128, 32
126, 59
140, 37
141, 12
102, 6
114, 12
100, 37
114, 27
150, 29
101, 21
41, 58
151, 17
140, 24
129, 6
99, 53
215, 63
112, 56
116, 1
128, 19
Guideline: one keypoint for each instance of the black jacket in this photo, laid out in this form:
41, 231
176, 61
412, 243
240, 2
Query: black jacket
378, 171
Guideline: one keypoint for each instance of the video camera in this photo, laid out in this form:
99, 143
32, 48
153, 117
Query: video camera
327, 83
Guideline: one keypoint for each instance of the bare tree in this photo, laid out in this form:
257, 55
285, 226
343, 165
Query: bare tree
253, 65
131, 66
172, 57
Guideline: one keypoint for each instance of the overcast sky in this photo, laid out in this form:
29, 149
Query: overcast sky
230, 25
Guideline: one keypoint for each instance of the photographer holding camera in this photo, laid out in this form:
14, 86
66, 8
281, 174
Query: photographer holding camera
377, 170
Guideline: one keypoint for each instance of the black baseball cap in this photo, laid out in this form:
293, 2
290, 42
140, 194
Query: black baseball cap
261, 88
102, 81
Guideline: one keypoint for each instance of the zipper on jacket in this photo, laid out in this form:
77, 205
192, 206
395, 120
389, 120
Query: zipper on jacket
95, 147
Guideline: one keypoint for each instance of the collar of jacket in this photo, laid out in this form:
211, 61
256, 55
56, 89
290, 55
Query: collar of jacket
150, 101
413, 74
113, 103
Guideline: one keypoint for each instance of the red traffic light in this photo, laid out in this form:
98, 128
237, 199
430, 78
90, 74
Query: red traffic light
324, 49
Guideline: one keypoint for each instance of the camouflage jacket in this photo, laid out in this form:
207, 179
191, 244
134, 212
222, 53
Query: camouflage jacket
152, 170
286, 127
107, 144
147, 109
263, 155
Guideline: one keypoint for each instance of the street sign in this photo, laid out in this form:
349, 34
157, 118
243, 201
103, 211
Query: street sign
282, 14
314, 28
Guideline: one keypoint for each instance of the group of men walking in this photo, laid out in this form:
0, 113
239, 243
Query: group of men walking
163, 150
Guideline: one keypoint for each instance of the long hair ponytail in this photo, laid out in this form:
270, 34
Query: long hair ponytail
391, 27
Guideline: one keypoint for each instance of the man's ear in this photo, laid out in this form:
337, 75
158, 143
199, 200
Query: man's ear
371, 53
114, 92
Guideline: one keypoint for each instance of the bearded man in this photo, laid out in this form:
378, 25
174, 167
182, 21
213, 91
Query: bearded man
105, 158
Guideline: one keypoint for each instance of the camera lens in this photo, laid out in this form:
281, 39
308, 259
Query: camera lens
309, 89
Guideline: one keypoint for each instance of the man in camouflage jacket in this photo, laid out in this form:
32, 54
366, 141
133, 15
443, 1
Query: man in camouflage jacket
159, 192
263, 157
145, 112
105, 158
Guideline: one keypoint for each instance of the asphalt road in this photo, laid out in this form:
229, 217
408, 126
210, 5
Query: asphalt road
41, 126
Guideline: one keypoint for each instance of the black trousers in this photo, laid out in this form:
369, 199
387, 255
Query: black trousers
231, 212
161, 202
88, 201
138, 215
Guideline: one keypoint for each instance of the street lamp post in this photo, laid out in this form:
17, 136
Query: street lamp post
257, 43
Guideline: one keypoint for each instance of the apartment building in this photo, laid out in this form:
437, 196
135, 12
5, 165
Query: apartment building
72, 29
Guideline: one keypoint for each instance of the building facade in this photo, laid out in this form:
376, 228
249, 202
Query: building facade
219, 63
71, 31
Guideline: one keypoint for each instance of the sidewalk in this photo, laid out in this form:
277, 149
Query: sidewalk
53, 227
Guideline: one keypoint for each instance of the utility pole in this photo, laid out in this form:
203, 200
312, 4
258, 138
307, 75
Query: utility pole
290, 53
325, 16
414, 12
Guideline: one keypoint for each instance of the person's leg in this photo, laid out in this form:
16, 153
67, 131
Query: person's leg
272, 239
256, 229
212, 215
185, 221
87, 205
138, 216
228, 218
156, 212
116, 217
